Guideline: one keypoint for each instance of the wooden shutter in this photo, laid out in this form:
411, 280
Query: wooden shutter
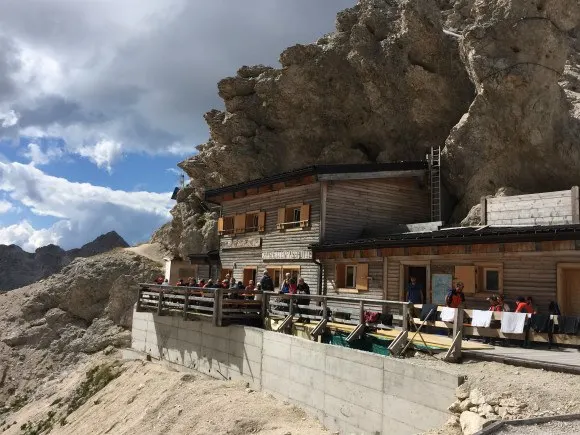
220, 225
340, 278
305, 215
362, 277
240, 223
262, 221
281, 218
465, 274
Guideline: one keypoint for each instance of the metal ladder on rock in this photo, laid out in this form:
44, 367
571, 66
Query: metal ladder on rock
435, 178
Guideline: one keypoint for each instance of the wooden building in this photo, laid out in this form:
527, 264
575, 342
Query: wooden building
541, 261
271, 222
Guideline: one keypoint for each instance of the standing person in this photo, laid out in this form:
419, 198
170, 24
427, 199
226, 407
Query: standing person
522, 306
293, 287
455, 297
250, 286
494, 304
285, 288
530, 303
165, 283
266, 282
502, 303
303, 289
415, 291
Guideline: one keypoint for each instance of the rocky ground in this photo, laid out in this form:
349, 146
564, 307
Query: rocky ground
105, 395
552, 428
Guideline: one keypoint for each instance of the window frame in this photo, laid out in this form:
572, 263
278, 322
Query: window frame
346, 284
481, 278
290, 222
229, 229
255, 215
340, 278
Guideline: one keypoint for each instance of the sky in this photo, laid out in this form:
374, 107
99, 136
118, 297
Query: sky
100, 99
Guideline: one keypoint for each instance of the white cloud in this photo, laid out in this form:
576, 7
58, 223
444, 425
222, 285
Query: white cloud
84, 210
9, 119
139, 73
38, 156
104, 154
5, 206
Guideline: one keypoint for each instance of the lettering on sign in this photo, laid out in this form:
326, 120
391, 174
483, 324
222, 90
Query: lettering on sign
287, 255
246, 242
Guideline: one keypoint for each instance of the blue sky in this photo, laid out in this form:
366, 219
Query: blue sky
100, 100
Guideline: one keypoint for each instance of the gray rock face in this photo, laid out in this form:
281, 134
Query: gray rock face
19, 268
521, 130
387, 85
502, 96
83, 309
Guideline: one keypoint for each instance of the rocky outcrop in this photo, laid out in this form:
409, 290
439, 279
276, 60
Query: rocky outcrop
19, 268
387, 85
521, 130
496, 82
57, 321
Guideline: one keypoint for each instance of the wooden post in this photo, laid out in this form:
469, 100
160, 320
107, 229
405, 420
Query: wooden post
405, 324
324, 309
140, 295
215, 306
291, 306
220, 298
264, 313
361, 313
454, 352
185, 304
160, 303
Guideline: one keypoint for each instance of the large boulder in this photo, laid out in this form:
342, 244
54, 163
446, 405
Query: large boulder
521, 130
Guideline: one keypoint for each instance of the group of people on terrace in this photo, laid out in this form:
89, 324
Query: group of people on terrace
456, 298
290, 285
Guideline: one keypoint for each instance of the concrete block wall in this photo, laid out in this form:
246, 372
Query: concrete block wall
348, 390
550, 208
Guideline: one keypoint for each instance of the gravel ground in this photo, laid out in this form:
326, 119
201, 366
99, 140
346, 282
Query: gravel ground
552, 428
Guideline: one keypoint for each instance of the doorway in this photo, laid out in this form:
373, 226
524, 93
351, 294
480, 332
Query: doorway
420, 273
569, 289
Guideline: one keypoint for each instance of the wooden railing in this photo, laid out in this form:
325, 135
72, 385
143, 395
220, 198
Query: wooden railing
461, 328
221, 306
339, 310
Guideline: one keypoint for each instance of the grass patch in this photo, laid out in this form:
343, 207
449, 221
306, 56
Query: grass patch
96, 379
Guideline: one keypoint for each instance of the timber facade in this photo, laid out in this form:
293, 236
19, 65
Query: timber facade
272, 222
538, 261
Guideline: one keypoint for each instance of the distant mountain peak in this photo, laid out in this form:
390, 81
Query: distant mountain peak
19, 268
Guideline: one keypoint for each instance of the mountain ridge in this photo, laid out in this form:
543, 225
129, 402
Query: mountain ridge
19, 268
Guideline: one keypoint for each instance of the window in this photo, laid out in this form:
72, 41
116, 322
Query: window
242, 223
354, 277
226, 225
294, 216
226, 272
252, 220
278, 274
350, 277
491, 280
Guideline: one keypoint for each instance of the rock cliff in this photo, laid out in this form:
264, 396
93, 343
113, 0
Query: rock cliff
495, 83
56, 322
19, 268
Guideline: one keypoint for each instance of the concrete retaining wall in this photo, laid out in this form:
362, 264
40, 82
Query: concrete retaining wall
550, 208
348, 390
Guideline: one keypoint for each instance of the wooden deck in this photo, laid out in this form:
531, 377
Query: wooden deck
556, 359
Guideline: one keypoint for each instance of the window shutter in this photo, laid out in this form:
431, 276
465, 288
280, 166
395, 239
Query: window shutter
340, 278
305, 215
466, 274
362, 277
281, 218
240, 223
262, 221
220, 225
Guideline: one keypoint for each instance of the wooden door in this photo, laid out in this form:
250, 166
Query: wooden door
571, 292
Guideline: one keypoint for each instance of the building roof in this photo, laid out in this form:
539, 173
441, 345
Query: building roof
460, 236
318, 172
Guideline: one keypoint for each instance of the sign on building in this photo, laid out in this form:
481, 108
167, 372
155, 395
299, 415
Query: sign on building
287, 255
239, 243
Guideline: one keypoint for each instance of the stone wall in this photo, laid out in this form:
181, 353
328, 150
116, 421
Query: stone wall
550, 208
348, 390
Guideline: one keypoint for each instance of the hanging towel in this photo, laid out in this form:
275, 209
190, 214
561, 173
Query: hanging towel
426, 309
540, 322
513, 323
567, 325
448, 314
481, 319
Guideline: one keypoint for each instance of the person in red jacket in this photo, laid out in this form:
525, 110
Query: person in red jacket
522, 306
455, 297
